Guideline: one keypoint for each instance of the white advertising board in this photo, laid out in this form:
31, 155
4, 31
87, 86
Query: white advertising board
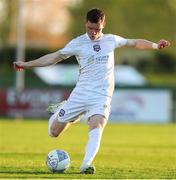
128, 105
141, 106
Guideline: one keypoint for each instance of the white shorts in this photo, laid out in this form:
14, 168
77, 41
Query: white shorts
83, 102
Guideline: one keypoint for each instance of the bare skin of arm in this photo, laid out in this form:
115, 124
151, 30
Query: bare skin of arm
43, 61
145, 44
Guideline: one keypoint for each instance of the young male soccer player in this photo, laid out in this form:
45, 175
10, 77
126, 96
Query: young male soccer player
93, 92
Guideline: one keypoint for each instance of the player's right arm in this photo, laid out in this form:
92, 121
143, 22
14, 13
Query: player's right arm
69, 50
43, 61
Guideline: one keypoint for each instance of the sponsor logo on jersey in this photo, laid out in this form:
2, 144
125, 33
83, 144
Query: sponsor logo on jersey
61, 113
102, 59
96, 47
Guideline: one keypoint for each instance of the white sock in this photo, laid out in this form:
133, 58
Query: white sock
92, 146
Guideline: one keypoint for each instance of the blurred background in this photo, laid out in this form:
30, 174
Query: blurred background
145, 79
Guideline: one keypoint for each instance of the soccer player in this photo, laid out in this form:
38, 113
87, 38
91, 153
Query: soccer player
92, 95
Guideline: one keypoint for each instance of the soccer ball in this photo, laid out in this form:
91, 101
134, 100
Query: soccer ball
57, 161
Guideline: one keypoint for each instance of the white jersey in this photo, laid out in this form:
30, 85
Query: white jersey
96, 61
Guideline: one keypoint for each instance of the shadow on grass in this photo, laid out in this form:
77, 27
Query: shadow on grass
36, 173
42, 175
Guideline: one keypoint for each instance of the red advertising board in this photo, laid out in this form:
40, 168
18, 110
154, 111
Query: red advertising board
29, 103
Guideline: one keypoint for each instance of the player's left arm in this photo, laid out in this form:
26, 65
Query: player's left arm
145, 44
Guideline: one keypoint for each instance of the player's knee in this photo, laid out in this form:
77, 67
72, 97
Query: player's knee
54, 132
51, 134
97, 121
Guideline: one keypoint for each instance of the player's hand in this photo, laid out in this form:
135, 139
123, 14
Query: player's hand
163, 44
19, 66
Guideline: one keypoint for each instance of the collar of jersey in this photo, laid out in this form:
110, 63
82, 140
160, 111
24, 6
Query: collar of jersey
96, 39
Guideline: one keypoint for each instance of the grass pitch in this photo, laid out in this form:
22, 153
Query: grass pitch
127, 151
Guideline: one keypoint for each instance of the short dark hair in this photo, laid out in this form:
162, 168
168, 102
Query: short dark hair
95, 15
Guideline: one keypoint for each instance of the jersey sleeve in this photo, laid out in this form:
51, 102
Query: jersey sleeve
119, 41
69, 50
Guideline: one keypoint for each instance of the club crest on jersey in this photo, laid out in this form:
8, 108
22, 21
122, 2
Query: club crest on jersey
61, 113
96, 47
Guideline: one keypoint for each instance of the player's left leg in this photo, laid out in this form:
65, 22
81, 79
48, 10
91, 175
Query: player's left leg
96, 125
64, 115
55, 128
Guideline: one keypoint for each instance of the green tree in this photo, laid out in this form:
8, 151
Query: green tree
7, 12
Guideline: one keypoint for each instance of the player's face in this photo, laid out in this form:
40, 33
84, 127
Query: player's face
94, 30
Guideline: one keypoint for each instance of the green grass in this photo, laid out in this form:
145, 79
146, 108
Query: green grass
127, 150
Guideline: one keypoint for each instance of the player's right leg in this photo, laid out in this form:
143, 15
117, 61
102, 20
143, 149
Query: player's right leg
96, 124
98, 116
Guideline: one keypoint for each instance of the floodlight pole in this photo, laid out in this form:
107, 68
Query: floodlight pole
20, 51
